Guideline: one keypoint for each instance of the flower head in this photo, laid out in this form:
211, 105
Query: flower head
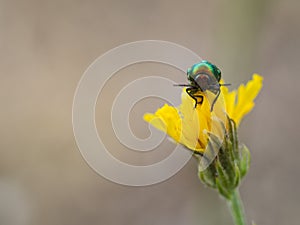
191, 126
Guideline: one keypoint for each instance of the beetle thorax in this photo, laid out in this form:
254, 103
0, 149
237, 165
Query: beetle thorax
203, 81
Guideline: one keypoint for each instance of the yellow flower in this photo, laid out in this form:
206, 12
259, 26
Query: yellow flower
191, 126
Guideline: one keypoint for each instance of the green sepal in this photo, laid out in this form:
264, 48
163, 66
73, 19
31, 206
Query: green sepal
245, 159
237, 176
208, 176
223, 182
223, 191
227, 165
222, 176
207, 179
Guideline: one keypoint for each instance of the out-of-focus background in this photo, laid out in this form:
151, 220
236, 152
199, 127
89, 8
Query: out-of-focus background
45, 46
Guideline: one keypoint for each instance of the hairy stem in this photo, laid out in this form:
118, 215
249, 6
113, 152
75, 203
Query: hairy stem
237, 209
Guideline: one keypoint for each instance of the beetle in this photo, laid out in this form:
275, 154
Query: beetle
203, 76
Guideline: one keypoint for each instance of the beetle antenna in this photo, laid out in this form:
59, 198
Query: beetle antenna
182, 85
225, 84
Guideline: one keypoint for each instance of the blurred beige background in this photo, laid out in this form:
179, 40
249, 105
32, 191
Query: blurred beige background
45, 46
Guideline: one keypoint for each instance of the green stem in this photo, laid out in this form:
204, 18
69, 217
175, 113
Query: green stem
236, 207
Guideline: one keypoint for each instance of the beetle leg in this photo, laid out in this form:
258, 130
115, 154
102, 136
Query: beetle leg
191, 92
201, 99
215, 100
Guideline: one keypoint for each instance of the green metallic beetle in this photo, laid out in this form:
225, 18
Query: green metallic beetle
203, 76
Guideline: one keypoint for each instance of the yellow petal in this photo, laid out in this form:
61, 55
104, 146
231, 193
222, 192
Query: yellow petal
167, 120
241, 102
230, 98
190, 124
